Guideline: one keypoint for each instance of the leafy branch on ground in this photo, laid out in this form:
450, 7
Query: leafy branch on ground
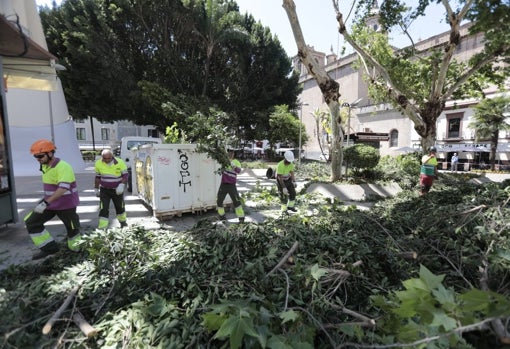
412, 272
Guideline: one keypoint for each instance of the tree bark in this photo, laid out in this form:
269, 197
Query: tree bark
49, 324
329, 88
84, 326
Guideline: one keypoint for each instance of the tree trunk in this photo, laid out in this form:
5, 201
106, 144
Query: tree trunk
427, 129
328, 86
494, 147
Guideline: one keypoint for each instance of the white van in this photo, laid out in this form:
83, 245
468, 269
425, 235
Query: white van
128, 143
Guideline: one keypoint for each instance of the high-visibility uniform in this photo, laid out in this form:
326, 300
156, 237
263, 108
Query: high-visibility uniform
284, 171
59, 174
110, 175
228, 186
427, 172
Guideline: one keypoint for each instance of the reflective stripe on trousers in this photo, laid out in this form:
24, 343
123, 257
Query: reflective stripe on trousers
42, 239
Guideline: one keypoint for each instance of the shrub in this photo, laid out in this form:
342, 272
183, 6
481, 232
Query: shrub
361, 157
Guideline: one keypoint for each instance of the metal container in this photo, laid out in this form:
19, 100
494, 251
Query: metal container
173, 179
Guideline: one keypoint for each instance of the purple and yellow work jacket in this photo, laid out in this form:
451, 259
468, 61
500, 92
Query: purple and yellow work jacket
60, 174
229, 175
111, 174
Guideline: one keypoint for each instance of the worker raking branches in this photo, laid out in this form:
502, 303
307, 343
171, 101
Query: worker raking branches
229, 186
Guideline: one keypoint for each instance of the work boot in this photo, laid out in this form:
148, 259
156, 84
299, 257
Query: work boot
48, 251
293, 209
223, 217
241, 219
123, 224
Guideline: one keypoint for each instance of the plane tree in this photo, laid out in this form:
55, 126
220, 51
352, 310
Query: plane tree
418, 83
327, 85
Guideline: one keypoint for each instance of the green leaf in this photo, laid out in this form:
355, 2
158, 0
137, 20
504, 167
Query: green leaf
441, 319
290, 315
432, 281
235, 328
475, 300
213, 321
444, 296
505, 254
317, 272
278, 342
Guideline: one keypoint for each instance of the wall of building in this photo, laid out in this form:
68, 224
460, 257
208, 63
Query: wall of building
94, 134
382, 118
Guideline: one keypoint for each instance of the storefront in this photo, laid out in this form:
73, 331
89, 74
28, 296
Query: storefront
474, 155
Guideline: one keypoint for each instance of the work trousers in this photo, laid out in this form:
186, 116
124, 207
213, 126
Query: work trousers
231, 190
35, 223
292, 192
107, 195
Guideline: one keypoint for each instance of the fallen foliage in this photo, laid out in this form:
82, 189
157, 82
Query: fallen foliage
411, 272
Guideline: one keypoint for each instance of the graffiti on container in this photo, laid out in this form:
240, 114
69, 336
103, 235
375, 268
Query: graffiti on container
163, 160
185, 175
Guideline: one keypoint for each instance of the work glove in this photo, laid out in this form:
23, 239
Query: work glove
285, 191
295, 184
98, 192
41, 206
120, 189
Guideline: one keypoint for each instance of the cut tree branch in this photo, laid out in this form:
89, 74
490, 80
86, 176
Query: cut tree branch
84, 326
284, 259
47, 327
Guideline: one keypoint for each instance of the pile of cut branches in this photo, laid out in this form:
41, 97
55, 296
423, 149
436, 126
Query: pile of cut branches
413, 271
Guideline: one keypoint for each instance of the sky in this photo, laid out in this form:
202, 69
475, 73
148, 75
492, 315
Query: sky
318, 23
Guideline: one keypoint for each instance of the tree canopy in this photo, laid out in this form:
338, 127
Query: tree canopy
285, 127
159, 62
418, 83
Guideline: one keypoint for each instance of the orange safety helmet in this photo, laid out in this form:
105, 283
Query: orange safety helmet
42, 146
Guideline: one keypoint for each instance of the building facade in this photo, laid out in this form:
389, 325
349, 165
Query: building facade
93, 134
387, 129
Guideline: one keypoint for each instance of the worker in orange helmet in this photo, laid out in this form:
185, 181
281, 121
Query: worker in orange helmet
60, 199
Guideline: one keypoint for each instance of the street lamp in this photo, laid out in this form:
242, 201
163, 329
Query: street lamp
300, 127
350, 106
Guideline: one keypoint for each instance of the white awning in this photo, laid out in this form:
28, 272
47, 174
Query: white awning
26, 64
29, 74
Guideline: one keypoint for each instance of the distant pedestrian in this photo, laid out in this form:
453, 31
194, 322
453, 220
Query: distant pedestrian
286, 182
455, 162
110, 182
428, 171
228, 186
60, 199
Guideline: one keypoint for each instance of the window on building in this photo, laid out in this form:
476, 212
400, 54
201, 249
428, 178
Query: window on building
394, 138
105, 134
152, 133
454, 122
80, 134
